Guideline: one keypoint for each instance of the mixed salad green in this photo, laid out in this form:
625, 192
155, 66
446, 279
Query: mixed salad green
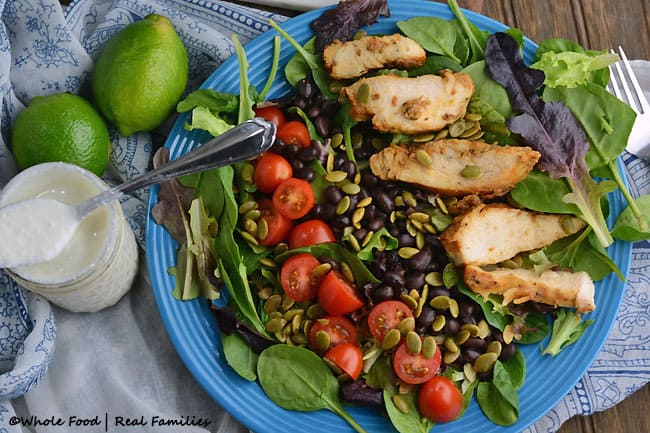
309, 313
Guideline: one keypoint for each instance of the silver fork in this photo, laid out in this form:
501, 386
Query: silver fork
624, 84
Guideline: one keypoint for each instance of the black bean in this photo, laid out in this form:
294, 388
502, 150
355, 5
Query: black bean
394, 278
322, 125
414, 280
333, 194
301, 103
425, 319
468, 319
384, 202
467, 308
360, 233
329, 107
341, 221
305, 88
313, 111
316, 212
350, 168
326, 259
452, 327
290, 151
297, 164
370, 212
475, 343
307, 154
328, 211
318, 99
507, 351
383, 293
339, 160
405, 240
470, 355
305, 173
422, 260
368, 179
376, 223
439, 291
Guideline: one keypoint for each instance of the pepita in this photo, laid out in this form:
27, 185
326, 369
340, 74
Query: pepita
450, 344
351, 188
247, 205
471, 171
483, 329
262, 228
423, 158
438, 323
479, 134
485, 362
315, 311
468, 372
354, 243
336, 176
253, 214
450, 357
508, 334
454, 310
363, 93
358, 215
290, 314
473, 117
265, 292
268, 262
364, 201
441, 134
434, 279
300, 339
420, 240
494, 347
296, 322
407, 252
472, 128
413, 342
440, 302
343, 206
249, 238
406, 325
408, 300
329, 164
247, 172
429, 347
323, 340
409, 198
461, 337
357, 140
367, 238
420, 217
457, 128
423, 138
422, 300
399, 201
391, 338
287, 303
272, 303
442, 205
321, 270
401, 403
471, 328
347, 271
275, 325
280, 248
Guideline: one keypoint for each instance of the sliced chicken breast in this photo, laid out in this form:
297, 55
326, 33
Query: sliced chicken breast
559, 288
456, 167
355, 58
410, 105
490, 234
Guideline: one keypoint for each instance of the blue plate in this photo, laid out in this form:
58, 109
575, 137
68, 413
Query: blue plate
194, 331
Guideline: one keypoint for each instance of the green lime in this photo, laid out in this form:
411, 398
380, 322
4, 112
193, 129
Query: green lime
61, 127
140, 75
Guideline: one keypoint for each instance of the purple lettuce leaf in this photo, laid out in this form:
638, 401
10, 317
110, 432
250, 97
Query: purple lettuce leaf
550, 128
342, 21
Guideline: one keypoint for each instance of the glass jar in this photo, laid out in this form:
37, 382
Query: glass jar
99, 264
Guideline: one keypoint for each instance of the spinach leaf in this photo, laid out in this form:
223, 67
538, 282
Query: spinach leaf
275, 62
536, 328
476, 37
296, 68
239, 356
246, 100
433, 65
344, 119
627, 225
381, 373
493, 314
297, 379
217, 102
516, 369
498, 398
489, 90
435, 35
409, 421
313, 61
310, 125
381, 240
540, 193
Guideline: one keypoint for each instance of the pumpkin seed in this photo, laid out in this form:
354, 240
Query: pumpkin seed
399, 201
335, 86
495, 347
461, 337
363, 93
329, 164
391, 338
429, 347
253, 214
351, 188
393, 217
364, 201
358, 215
323, 340
441, 134
343, 206
472, 329
274, 314
438, 323
423, 158
434, 278
569, 224
262, 229
440, 302
247, 205
508, 334
417, 224
354, 243
272, 303
249, 238
409, 300
420, 217
429, 228
413, 342
335, 368
473, 117
401, 403
471, 171
406, 325
473, 128
413, 293
485, 362
442, 205
468, 372
275, 325
321, 270
268, 262
265, 292
476, 136
454, 310
483, 329
420, 240
315, 311
409, 198
291, 314
300, 339
367, 238
280, 248
306, 326
336, 176
407, 252
423, 138
347, 272
457, 128
280, 336
450, 344
450, 357
287, 303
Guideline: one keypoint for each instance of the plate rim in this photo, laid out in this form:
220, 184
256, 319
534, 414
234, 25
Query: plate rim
163, 299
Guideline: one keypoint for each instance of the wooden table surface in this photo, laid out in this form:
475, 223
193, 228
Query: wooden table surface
600, 25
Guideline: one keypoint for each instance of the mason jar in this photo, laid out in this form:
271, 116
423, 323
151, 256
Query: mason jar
98, 266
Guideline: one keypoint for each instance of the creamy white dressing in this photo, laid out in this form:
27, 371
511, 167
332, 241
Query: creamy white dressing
35, 231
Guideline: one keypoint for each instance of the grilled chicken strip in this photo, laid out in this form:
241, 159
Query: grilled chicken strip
492, 233
410, 105
559, 288
353, 59
457, 167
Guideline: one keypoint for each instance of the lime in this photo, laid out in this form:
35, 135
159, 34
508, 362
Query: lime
140, 75
61, 127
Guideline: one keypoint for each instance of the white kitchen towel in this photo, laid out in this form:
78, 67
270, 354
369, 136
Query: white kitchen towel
118, 366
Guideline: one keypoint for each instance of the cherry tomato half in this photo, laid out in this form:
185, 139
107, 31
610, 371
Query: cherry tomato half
348, 358
271, 113
385, 316
278, 225
310, 232
337, 296
296, 277
339, 328
293, 198
415, 369
271, 169
294, 132
440, 400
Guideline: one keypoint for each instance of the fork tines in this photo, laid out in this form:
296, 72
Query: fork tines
620, 77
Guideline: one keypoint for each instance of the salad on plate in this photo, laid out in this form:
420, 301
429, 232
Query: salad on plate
431, 204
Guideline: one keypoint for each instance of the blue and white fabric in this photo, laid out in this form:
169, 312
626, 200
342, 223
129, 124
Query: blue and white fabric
120, 362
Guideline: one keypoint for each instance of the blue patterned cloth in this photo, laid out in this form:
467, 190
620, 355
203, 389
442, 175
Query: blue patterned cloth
45, 49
